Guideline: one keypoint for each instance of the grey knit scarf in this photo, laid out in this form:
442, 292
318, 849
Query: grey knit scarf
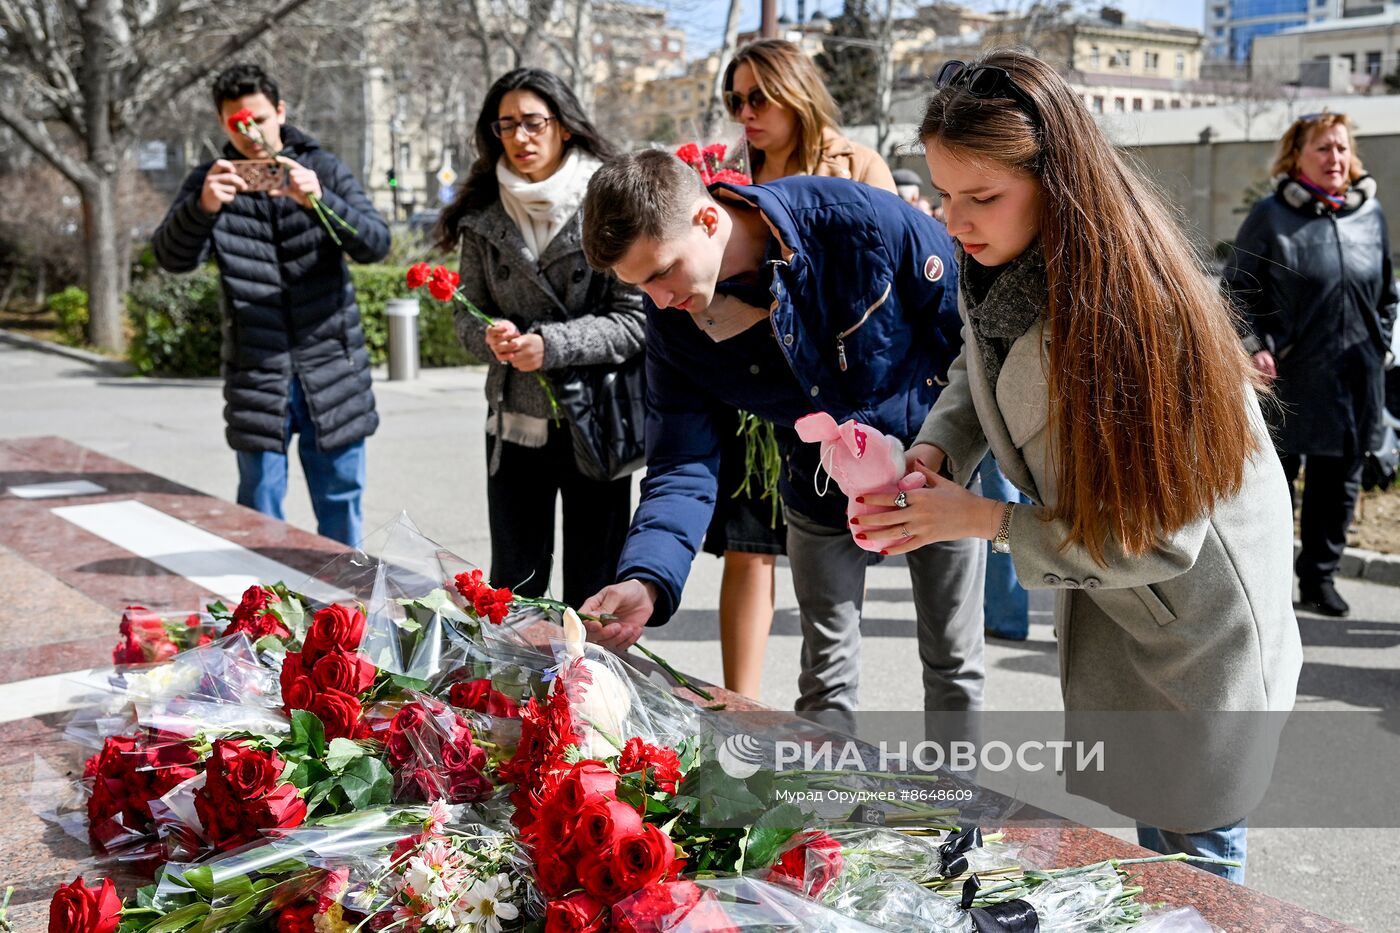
1001, 313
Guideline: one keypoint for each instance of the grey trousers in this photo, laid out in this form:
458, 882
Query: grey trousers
828, 573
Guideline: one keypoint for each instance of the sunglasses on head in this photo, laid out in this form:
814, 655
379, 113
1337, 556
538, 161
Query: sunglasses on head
986, 82
734, 101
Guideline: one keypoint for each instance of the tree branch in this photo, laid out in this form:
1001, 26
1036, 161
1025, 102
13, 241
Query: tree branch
37, 136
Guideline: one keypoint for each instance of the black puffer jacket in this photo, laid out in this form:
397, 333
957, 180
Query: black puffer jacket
1316, 289
289, 306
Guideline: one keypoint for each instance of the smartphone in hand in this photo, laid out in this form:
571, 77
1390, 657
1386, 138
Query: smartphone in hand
261, 174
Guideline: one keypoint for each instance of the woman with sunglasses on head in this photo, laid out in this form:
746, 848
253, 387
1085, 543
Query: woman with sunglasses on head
1104, 372
790, 128
1311, 271
518, 223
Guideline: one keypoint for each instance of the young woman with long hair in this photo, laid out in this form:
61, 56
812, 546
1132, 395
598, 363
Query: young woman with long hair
518, 223
1105, 372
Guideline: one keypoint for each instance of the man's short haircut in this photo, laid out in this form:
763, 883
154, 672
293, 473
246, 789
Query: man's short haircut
241, 80
642, 194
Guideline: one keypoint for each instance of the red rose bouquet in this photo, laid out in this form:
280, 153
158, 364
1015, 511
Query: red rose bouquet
431, 751
147, 638
480, 696
244, 794
328, 674
127, 775
256, 615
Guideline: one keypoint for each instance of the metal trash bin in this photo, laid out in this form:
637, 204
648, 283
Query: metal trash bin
403, 338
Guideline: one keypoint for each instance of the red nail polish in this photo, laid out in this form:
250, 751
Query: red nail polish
884, 553
860, 499
855, 521
860, 536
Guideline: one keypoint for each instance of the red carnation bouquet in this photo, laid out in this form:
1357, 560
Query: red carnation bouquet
715, 163
243, 122
443, 284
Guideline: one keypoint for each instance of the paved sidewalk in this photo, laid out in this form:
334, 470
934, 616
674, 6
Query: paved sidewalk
428, 460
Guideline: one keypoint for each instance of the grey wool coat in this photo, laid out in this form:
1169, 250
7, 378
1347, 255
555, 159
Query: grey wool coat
1203, 623
585, 317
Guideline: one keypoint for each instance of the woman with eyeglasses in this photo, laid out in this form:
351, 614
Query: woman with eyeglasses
790, 128
518, 224
1311, 272
1103, 370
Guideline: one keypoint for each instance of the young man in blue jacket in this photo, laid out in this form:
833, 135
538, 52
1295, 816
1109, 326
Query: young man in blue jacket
801, 295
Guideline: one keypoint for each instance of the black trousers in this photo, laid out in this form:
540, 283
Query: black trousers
1329, 502
520, 500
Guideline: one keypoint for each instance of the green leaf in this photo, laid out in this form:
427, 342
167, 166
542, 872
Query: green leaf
199, 879
768, 834
221, 918
408, 683
308, 735
180, 919
341, 752
270, 644
367, 783
723, 800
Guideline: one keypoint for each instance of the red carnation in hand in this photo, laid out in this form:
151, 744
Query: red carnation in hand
240, 120
76, 908
664, 764
418, 274
811, 865
443, 284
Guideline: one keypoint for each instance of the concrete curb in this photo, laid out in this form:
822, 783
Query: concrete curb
1371, 566
104, 363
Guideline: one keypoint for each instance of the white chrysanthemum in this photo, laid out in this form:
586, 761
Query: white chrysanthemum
162, 682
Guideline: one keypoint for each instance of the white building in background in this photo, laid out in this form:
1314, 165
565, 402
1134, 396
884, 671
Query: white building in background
1349, 55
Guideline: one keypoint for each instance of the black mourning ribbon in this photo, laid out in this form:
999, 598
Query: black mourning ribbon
1014, 916
953, 860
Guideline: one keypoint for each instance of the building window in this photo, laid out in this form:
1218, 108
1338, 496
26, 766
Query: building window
1120, 105
1094, 60
1150, 60
1180, 65
1373, 64
1137, 103
1350, 59
1159, 104
1176, 104
1098, 104
1122, 58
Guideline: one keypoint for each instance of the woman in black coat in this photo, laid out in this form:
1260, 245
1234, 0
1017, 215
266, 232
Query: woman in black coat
1312, 275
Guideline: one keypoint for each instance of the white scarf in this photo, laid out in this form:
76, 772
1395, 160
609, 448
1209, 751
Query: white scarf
541, 208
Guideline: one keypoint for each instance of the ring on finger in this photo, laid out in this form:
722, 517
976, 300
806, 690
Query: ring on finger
904, 530
901, 500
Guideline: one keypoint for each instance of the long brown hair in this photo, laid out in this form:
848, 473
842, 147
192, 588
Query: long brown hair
1149, 419
786, 75
1302, 131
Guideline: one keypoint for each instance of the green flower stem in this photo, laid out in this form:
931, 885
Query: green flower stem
680, 679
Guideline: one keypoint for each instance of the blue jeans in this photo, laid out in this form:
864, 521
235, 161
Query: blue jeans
1007, 604
1226, 842
336, 477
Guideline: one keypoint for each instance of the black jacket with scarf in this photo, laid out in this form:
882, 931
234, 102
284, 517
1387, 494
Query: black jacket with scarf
1316, 289
289, 305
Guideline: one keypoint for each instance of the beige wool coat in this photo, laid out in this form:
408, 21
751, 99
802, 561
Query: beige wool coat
1203, 623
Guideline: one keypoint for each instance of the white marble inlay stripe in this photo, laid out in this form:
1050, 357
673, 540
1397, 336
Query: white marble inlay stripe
54, 693
215, 564
68, 487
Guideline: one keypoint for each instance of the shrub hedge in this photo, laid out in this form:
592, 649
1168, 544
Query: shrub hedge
176, 321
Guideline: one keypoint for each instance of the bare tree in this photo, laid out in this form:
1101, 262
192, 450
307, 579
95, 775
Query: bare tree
96, 71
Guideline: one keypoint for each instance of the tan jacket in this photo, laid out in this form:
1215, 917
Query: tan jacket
842, 158
1204, 623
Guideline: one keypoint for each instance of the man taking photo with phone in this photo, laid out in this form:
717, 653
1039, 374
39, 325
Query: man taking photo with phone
294, 358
